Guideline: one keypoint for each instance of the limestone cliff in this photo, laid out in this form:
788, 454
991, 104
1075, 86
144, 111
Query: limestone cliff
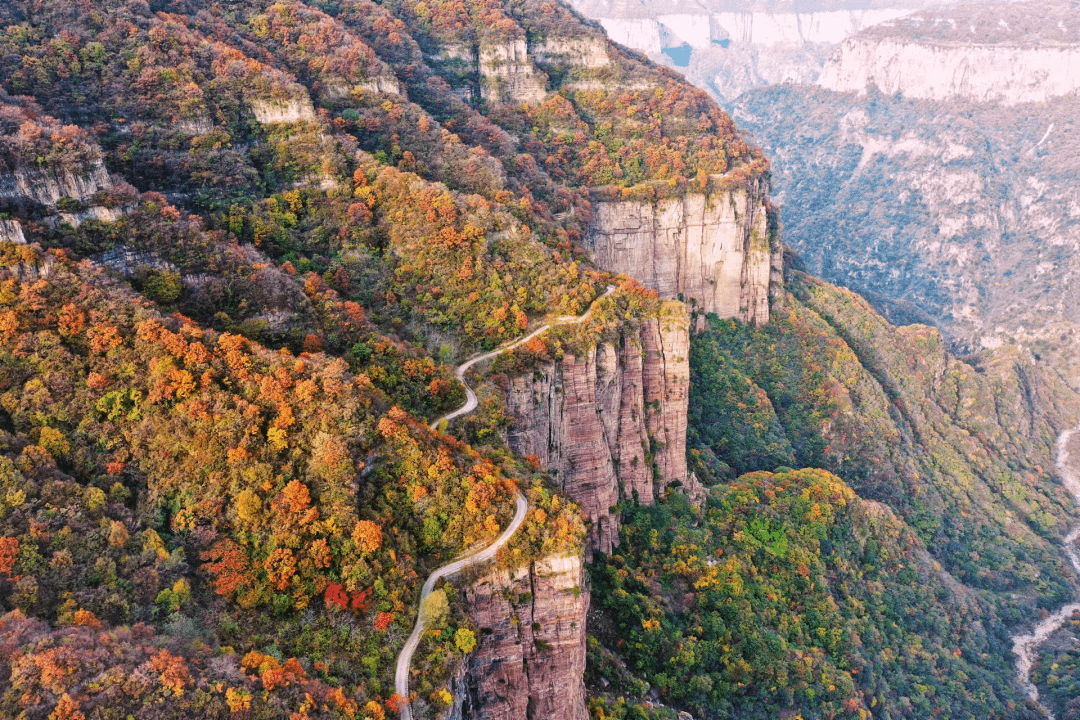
730, 46
1007, 54
530, 660
714, 250
588, 53
49, 185
298, 109
1008, 75
11, 231
610, 423
508, 75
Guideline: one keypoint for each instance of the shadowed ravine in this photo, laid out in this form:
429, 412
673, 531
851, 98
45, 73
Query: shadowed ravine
1026, 646
401, 675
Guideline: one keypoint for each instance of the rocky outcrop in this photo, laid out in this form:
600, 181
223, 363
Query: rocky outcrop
984, 74
508, 75
198, 124
11, 231
291, 110
728, 47
50, 185
530, 660
1008, 54
609, 423
714, 250
386, 84
585, 53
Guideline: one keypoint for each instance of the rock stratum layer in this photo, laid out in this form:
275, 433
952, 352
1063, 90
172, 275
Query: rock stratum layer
531, 659
1005, 53
611, 423
1007, 75
714, 250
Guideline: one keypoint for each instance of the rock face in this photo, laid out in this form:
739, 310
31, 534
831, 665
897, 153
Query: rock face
730, 46
714, 249
530, 660
283, 111
610, 424
508, 75
48, 186
947, 211
11, 231
1006, 53
588, 53
1007, 75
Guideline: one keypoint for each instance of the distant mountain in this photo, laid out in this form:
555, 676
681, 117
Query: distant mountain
730, 46
949, 182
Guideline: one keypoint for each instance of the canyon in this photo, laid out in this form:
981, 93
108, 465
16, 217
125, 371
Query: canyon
221, 378
730, 47
922, 141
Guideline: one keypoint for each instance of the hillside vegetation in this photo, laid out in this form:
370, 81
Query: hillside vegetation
882, 582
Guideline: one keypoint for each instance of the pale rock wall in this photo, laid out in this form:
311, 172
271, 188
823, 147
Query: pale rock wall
638, 33
387, 84
610, 424
715, 249
200, 124
765, 28
292, 110
530, 660
702, 30
989, 73
49, 186
508, 75
11, 231
587, 53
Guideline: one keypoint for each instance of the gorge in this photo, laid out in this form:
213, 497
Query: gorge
256, 253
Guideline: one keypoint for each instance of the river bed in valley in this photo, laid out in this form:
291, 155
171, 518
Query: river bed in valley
1026, 646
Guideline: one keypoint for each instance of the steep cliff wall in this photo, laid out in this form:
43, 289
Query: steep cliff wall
1006, 75
508, 75
728, 48
11, 231
48, 186
530, 660
292, 110
1003, 53
715, 249
610, 423
588, 53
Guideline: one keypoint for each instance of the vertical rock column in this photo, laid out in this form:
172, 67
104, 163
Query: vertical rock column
610, 424
666, 385
530, 662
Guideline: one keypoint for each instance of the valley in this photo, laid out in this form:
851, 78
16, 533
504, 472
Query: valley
450, 360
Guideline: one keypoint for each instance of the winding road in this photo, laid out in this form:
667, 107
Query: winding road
401, 676
1026, 647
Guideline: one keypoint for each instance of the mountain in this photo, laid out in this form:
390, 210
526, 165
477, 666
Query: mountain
955, 198
247, 247
730, 46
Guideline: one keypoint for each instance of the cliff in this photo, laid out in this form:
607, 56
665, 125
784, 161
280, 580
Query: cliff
508, 75
11, 231
48, 186
610, 423
1003, 53
730, 47
530, 661
714, 250
292, 110
941, 211
1006, 75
